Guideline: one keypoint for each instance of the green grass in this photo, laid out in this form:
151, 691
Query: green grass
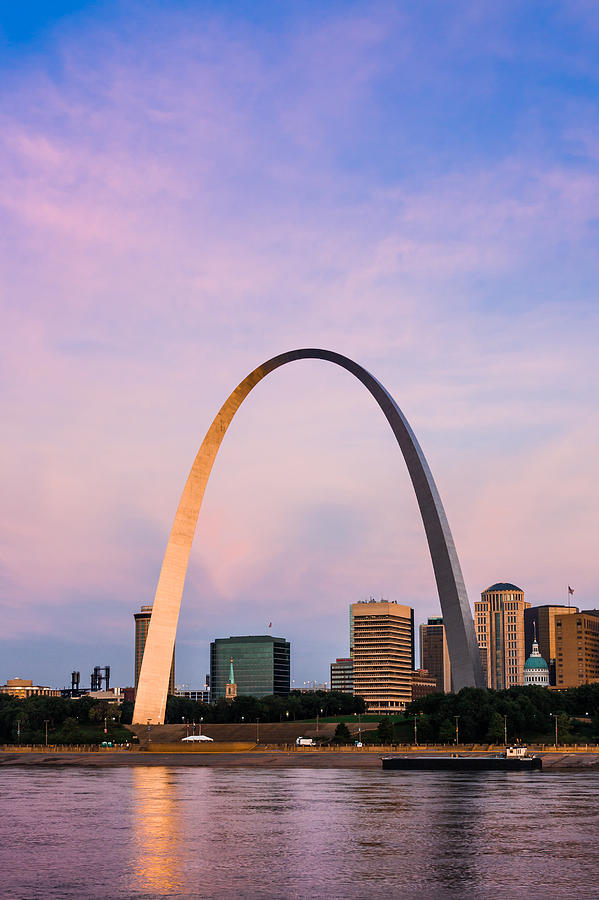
365, 717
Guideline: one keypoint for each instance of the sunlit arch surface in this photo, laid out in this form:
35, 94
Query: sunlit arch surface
150, 702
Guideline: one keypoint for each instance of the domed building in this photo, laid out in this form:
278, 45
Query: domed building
536, 670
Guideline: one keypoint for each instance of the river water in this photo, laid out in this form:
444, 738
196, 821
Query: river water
204, 832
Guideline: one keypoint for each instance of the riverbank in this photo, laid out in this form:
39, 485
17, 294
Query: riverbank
310, 759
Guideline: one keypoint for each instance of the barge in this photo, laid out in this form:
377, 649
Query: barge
513, 759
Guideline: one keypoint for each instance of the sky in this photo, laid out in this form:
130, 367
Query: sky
191, 188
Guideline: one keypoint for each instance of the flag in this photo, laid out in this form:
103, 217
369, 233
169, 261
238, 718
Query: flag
570, 590
270, 624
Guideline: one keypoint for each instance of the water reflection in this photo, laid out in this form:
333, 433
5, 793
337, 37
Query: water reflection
455, 824
158, 845
253, 833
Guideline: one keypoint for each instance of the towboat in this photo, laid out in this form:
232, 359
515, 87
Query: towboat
513, 759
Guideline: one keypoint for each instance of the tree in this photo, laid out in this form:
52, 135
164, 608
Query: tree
564, 733
102, 709
385, 732
71, 733
496, 730
342, 735
447, 731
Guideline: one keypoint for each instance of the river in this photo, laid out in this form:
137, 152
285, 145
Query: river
334, 833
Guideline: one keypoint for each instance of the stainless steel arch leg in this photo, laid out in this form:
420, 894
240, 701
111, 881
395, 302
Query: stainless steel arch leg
466, 666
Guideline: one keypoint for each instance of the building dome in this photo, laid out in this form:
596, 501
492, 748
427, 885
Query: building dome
504, 586
536, 662
536, 670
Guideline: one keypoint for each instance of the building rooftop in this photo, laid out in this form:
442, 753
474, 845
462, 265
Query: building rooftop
536, 662
503, 586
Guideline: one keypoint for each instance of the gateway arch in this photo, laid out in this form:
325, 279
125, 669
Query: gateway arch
150, 702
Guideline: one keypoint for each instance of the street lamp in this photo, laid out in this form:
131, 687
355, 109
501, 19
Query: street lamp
201, 720
416, 730
359, 715
554, 716
457, 730
46, 724
257, 730
505, 730
18, 731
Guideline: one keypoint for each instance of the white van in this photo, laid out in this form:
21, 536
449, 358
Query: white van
305, 742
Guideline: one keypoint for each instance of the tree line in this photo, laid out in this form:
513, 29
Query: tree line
475, 716
275, 708
527, 713
83, 721
530, 713
67, 721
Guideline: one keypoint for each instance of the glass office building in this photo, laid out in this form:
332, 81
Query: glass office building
261, 665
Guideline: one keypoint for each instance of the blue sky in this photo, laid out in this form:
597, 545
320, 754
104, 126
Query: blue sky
189, 189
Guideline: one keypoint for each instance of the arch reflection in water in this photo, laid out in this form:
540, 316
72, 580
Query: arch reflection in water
157, 861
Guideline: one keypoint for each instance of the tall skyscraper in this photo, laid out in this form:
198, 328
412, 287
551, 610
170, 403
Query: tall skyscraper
383, 654
342, 675
577, 648
542, 620
434, 655
500, 632
142, 623
261, 666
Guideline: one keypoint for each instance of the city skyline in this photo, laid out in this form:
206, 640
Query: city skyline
162, 238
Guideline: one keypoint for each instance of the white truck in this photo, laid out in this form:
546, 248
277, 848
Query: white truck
305, 742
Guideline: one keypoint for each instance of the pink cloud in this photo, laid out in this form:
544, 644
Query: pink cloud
176, 217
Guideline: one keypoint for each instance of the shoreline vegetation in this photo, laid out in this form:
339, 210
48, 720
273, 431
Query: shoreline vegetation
530, 714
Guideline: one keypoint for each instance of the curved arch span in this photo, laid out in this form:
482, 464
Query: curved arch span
150, 702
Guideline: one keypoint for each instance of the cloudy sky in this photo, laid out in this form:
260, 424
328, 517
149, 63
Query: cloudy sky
191, 188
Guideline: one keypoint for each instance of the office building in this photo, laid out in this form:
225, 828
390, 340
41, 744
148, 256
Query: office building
434, 655
342, 675
383, 654
540, 620
309, 686
500, 633
423, 683
200, 696
577, 648
142, 623
24, 687
261, 666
